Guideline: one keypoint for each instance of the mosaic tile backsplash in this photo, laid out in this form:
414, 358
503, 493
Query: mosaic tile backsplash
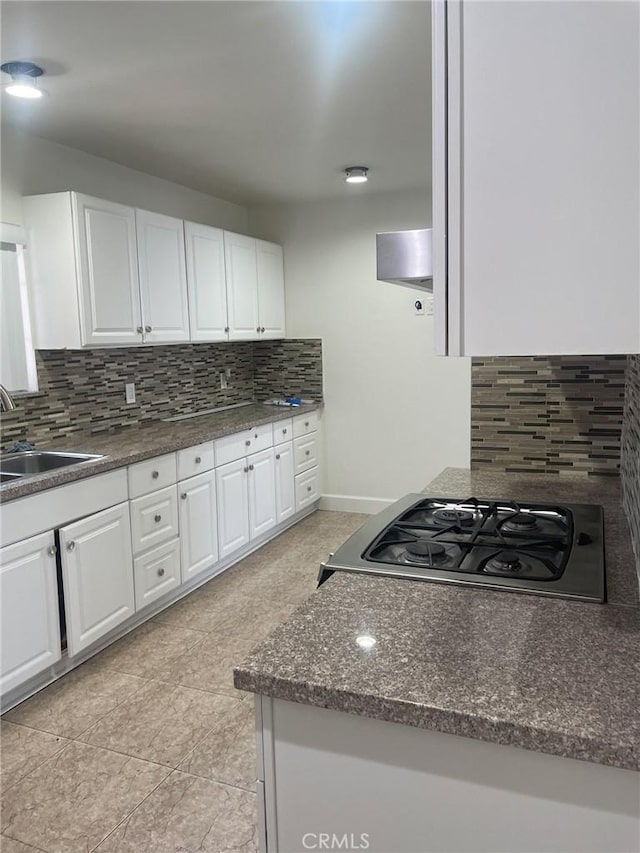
630, 461
553, 415
84, 389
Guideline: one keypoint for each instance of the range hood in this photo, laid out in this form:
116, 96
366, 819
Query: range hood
404, 257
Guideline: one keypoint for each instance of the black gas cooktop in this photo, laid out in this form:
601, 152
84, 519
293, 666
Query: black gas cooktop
546, 549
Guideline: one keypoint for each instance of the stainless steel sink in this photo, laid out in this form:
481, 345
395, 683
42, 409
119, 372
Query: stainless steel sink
31, 462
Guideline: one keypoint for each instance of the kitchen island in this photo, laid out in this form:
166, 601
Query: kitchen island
411, 716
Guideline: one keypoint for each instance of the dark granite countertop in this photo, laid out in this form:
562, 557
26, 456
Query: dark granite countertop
133, 444
550, 675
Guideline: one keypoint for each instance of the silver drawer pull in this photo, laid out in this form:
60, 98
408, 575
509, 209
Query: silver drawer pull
71, 546
284, 431
139, 330
307, 452
248, 442
262, 328
245, 470
256, 435
147, 328
155, 474
52, 550
198, 460
306, 423
160, 572
277, 456
184, 496
251, 467
157, 518
257, 328
308, 488
226, 328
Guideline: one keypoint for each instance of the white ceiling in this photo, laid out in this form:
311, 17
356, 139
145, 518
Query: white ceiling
249, 101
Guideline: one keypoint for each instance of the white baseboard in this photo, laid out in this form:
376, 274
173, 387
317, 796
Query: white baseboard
352, 503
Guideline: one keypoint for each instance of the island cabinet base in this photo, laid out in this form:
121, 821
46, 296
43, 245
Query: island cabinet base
328, 780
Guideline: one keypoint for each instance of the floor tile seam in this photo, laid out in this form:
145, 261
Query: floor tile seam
6, 788
137, 806
139, 689
202, 740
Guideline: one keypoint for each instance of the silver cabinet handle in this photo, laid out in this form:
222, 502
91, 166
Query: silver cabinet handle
306, 423
139, 330
160, 572
248, 442
256, 435
262, 328
52, 550
157, 518
226, 328
155, 474
184, 496
71, 546
245, 470
277, 456
284, 431
198, 460
307, 452
147, 329
257, 328
308, 488
251, 467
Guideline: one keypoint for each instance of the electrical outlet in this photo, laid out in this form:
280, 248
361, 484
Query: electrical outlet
227, 370
130, 392
223, 380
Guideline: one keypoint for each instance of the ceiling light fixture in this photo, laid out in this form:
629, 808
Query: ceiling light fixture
356, 174
24, 76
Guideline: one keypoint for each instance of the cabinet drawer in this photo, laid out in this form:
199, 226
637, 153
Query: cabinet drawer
307, 488
305, 452
304, 424
195, 460
232, 447
151, 475
154, 519
261, 437
156, 573
283, 431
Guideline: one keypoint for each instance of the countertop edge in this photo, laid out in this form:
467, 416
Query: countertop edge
403, 712
110, 462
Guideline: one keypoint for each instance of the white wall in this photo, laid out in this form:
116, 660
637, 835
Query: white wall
395, 413
31, 165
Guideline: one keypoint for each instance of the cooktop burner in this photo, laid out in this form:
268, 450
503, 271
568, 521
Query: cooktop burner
527, 547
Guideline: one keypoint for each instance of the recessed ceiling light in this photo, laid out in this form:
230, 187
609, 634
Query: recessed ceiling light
24, 76
356, 174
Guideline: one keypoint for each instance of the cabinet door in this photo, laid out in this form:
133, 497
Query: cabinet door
543, 176
270, 289
156, 573
242, 287
233, 506
108, 270
163, 277
206, 282
97, 571
30, 627
262, 492
285, 490
198, 524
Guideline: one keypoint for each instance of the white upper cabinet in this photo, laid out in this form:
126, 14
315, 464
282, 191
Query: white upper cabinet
163, 277
206, 282
242, 287
270, 289
536, 177
83, 271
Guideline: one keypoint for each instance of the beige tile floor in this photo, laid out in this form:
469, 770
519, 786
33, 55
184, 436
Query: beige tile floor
148, 747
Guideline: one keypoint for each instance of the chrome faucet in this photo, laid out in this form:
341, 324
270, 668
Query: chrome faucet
7, 403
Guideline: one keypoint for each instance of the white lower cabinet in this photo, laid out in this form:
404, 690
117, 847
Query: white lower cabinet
97, 572
307, 489
30, 628
156, 573
285, 484
198, 524
262, 492
233, 506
